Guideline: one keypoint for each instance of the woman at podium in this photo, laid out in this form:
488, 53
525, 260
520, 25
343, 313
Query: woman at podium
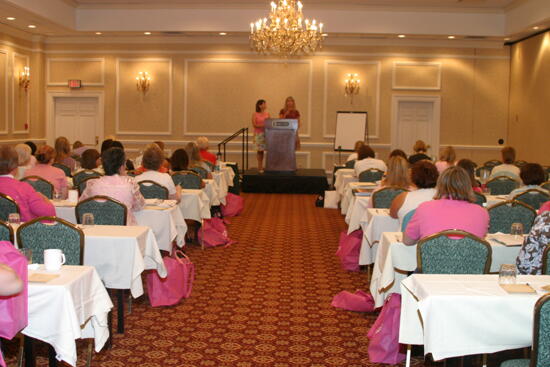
289, 111
258, 121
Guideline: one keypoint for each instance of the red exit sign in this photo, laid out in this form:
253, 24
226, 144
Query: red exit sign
75, 84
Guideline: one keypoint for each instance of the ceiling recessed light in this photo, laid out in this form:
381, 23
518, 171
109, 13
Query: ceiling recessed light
10, 18
222, 34
536, 28
147, 33
401, 36
451, 37
98, 33
31, 26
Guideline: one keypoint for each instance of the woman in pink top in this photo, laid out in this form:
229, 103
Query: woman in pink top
446, 159
453, 208
44, 169
258, 121
31, 204
115, 184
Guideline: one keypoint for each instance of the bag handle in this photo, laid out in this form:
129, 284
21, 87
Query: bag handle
181, 257
185, 260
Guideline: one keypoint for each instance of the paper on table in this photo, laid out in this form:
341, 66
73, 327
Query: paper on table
518, 288
505, 239
41, 277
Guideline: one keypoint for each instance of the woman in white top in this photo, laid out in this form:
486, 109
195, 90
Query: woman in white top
366, 160
358, 145
532, 175
508, 168
152, 160
424, 176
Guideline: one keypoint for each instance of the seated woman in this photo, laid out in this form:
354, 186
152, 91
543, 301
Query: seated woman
91, 159
446, 159
202, 143
470, 167
424, 177
529, 260
24, 160
507, 168
398, 153
44, 169
32, 204
152, 160
396, 176
532, 175
179, 161
452, 208
354, 155
195, 159
420, 148
366, 160
10, 283
63, 153
116, 184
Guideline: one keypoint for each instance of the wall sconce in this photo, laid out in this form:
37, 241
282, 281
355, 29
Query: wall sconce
352, 85
25, 78
143, 80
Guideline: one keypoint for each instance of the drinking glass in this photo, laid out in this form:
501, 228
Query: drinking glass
484, 175
507, 274
14, 218
87, 219
516, 229
27, 252
57, 195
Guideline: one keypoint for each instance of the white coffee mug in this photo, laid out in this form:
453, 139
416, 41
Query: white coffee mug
73, 196
53, 259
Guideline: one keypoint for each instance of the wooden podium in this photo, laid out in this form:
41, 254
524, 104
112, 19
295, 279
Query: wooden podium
280, 138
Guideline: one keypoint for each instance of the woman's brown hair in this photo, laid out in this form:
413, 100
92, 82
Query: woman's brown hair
365, 152
398, 173
454, 183
45, 154
62, 148
152, 157
448, 155
508, 155
420, 146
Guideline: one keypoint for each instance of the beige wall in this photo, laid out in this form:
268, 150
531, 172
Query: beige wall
211, 89
529, 129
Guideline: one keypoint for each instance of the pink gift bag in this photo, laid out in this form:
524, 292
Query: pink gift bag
234, 205
348, 249
13, 309
214, 233
384, 333
177, 284
358, 301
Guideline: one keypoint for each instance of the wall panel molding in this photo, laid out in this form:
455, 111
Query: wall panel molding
51, 60
397, 64
6, 91
15, 80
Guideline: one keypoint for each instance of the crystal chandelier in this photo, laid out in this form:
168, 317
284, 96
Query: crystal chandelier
286, 33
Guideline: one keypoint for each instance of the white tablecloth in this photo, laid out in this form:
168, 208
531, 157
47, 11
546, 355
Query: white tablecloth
466, 314
195, 205
67, 308
348, 183
339, 179
214, 193
394, 260
495, 199
374, 223
358, 204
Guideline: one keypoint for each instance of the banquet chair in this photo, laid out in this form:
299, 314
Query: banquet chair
6, 232
384, 197
84, 174
520, 163
503, 214
44, 233
441, 253
533, 197
480, 198
7, 206
106, 210
546, 260
201, 171
371, 175
66, 169
406, 219
82, 184
153, 190
545, 185
492, 163
187, 179
540, 351
502, 185
350, 164
39, 184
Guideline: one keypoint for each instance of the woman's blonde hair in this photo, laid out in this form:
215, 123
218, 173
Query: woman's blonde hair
23, 154
397, 173
192, 150
202, 142
420, 146
289, 98
62, 148
455, 184
448, 155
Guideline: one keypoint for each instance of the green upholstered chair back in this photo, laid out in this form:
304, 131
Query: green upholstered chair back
371, 175
39, 184
442, 253
7, 206
187, 179
502, 185
82, 175
545, 185
350, 164
201, 171
502, 215
541, 337
480, 198
106, 210
520, 163
533, 197
82, 184
406, 219
492, 163
66, 169
54, 233
546, 260
153, 190
384, 197
6, 232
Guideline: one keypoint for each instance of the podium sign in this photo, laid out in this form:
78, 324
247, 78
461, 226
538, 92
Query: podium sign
280, 138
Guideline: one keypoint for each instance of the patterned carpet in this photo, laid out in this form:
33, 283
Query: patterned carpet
262, 302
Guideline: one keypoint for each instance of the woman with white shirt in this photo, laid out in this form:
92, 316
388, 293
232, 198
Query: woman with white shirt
358, 145
366, 160
153, 157
507, 168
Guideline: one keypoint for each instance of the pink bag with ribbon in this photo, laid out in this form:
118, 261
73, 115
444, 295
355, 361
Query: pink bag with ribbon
384, 334
358, 301
234, 205
348, 249
214, 233
178, 283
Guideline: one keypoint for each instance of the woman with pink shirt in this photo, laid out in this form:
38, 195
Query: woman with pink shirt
44, 169
452, 208
446, 159
258, 121
31, 204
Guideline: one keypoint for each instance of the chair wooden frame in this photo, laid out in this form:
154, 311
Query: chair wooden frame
454, 232
66, 169
546, 183
536, 326
52, 219
85, 180
87, 173
186, 172
153, 183
376, 193
529, 191
503, 177
10, 230
38, 178
514, 203
9, 198
96, 198
545, 264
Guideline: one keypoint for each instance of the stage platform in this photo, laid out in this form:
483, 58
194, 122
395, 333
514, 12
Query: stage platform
303, 181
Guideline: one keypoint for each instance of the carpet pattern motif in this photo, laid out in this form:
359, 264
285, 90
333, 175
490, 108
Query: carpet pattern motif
264, 301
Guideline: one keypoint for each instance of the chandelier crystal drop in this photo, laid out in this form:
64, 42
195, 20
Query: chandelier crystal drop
286, 32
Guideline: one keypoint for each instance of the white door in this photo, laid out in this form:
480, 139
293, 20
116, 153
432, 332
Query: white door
414, 122
77, 118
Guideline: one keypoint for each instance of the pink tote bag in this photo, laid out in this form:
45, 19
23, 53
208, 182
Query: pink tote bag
384, 333
348, 249
358, 301
234, 205
178, 283
214, 233
13, 309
